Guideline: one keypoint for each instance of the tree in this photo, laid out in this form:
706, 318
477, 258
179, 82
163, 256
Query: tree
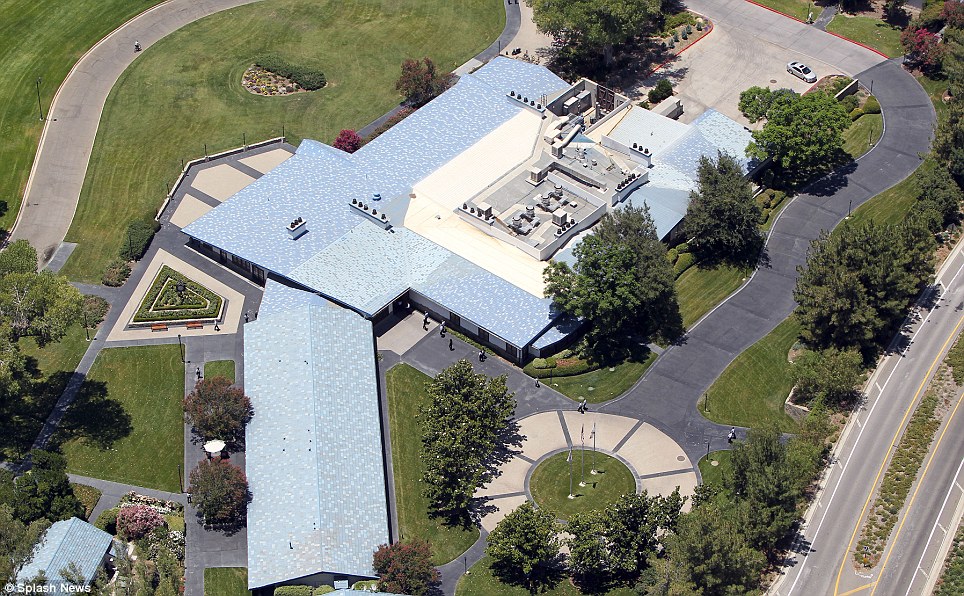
405, 567
13, 374
219, 491
44, 491
894, 9
952, 13
765, 487
923, 47
722, 218
939, 195
218, 410
829, 375
17, 541
858, 282
348, 141
633, 523
465, 427
622, 283
709, 551
755, 103
588, 552
19, 257
525, 547
420, 83
802, 132
595, 25
40, 304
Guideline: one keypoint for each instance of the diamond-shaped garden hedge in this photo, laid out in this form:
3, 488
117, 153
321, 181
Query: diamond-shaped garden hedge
164, 303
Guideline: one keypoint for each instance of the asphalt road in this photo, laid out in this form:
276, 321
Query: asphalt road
822, 562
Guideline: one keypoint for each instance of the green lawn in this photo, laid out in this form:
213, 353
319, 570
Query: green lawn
226, 581
714, 474
186, 91
752, 389
892, 205
550, 483
219, 368
481, 582
699, 290
795, 8
406, 393
602, 384
863, 134
869, 31
51, 367
42, 38
88, 497
128, 423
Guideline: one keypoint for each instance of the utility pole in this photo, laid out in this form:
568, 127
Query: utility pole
39, 104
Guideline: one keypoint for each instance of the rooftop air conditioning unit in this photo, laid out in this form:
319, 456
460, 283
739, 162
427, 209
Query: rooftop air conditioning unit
297, 228
485, 210
559, 217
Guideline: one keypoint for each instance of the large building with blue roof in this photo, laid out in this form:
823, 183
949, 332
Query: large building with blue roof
454, 211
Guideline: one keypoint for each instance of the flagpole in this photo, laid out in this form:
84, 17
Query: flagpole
569, 459
593, 471
582, 455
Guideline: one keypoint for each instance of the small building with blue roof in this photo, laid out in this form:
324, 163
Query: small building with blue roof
71, 548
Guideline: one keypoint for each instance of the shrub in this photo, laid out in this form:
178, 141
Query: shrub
95, 309
685, 261
161, 303
871, 106
420, 82
682, 248
672, 254
140, 232
405, 567
107, 520
136, 521
662, 90
540, 363
322, 590
308, 78
116, 273
348, 141
849, 103
856, 114
674, 21
385, 126
838, 84
292, 591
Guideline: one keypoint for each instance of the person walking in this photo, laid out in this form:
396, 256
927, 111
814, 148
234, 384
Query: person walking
451, 346
425, 322
198, 371
441, 329
481, 355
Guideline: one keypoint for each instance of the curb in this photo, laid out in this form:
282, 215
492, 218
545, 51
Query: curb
676, 55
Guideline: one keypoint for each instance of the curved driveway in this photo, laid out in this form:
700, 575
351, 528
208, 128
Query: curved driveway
667, 395
60, 166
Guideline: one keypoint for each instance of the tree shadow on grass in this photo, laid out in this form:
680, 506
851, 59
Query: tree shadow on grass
95, 417
541, 579
22, 419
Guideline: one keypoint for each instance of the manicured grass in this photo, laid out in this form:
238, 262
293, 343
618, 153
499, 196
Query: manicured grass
128, 423
481, 582
185, 92
226, 581
602, 384
51, 367
42, 39
794, 8
752, 389
550, 483
406, 394
714, 474
863, 134
869, 31
892, 206
219, 368
699, 290
88, 497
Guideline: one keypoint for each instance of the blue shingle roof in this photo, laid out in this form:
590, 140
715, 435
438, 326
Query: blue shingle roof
313, 449
67, 542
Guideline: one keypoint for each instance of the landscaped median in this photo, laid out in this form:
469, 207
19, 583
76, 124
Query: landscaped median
578, 378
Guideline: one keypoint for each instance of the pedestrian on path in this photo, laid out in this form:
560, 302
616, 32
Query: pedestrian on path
198, 371
583, 406
246, 318
425, 322
441, 329
731, 436
451, 347
481, 355
216, 327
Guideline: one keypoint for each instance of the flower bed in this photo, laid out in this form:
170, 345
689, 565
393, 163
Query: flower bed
261, 81
164, 303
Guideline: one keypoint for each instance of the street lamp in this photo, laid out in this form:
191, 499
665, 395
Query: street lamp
180, 347
39, 105
86, 327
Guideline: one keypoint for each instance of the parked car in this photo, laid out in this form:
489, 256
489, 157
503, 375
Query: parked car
802, 71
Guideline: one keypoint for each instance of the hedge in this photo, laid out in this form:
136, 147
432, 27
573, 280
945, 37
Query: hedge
662, 90
165, 280
140, 232
672, 254
685, 261
850, 103
292, 591
682, 247
854, 115
871, 106
95, 309
578, 368
322, 590
307, 78
107, 520
116, 273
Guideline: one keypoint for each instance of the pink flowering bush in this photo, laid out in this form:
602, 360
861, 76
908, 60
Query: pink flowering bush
923, 47
136, 521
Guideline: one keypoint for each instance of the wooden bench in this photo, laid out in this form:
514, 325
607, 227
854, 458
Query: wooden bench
195, 325
158, 327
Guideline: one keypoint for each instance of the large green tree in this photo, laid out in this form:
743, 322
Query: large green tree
940, 197
858, 282
802, 134
830, 375
40, 304
722, 219
466, 427
595, 25
216, 409
525, 547
17, 540
622, 283
588, 552
19, 257
44, 492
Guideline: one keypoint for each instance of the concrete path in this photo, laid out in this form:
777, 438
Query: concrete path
60, 166
111, 493
829, 12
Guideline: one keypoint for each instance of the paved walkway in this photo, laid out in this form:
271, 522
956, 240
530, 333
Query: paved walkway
111, 493
60, 166
829, 12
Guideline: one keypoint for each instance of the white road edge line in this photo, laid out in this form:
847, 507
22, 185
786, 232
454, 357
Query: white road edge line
936, 525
